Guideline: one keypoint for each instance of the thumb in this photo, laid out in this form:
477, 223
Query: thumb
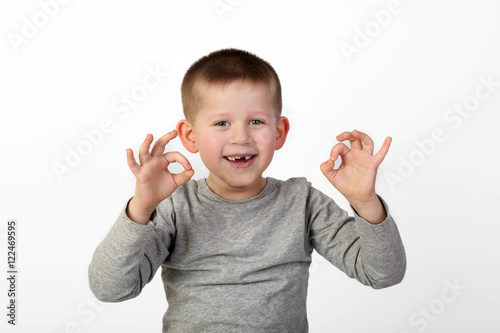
327, 168
183, 177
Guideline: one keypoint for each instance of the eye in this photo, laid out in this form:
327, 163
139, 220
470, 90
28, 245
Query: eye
256, 122
221, 123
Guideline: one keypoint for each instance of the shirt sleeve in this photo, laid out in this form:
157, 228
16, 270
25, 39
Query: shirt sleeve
373, 254
130, 254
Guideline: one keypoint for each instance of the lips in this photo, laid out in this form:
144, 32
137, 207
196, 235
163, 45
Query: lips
240, 161
239, 158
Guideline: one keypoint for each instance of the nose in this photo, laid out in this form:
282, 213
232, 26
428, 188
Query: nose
239, 134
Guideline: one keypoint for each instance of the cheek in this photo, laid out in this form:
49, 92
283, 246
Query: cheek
210, 145
268, 139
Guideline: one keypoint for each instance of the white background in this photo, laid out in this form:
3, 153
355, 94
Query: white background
65, 78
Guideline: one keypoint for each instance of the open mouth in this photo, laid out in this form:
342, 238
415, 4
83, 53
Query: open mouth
242, 160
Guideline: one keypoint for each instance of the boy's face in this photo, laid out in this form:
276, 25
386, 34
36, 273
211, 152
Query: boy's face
236, 132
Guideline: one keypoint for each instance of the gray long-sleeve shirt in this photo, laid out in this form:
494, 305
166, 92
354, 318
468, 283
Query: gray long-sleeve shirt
242, 266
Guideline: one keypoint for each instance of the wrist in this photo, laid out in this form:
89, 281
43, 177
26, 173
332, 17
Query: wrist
138, 214
370, 210
363, 201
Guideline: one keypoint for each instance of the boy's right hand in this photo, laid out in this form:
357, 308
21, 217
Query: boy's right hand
154, 181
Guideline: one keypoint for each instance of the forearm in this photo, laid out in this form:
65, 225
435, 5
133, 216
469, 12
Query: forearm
381, 258
119, 268
371, 253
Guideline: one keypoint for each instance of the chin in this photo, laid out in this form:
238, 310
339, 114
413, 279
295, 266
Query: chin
241, 182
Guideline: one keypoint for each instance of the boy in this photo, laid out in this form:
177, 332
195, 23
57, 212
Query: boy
235, 248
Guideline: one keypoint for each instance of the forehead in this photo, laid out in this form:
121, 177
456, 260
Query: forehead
235, 97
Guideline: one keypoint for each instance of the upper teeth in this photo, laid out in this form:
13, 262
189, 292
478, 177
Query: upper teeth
231, 158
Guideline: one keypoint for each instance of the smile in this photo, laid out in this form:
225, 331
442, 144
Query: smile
240, 161
239, 158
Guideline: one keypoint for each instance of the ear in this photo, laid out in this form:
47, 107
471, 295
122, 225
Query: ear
186, 134
282, 129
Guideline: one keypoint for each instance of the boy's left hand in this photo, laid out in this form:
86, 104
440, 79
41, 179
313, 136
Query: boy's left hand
355, 178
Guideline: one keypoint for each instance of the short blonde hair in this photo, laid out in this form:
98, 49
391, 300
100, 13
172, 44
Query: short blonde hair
225, 66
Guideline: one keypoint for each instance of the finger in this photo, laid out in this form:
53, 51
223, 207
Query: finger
354, 140
175, 156
339, 149
132, 164
184, 176
380, 155
327, 168
159, 146
367, 141
144, 150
